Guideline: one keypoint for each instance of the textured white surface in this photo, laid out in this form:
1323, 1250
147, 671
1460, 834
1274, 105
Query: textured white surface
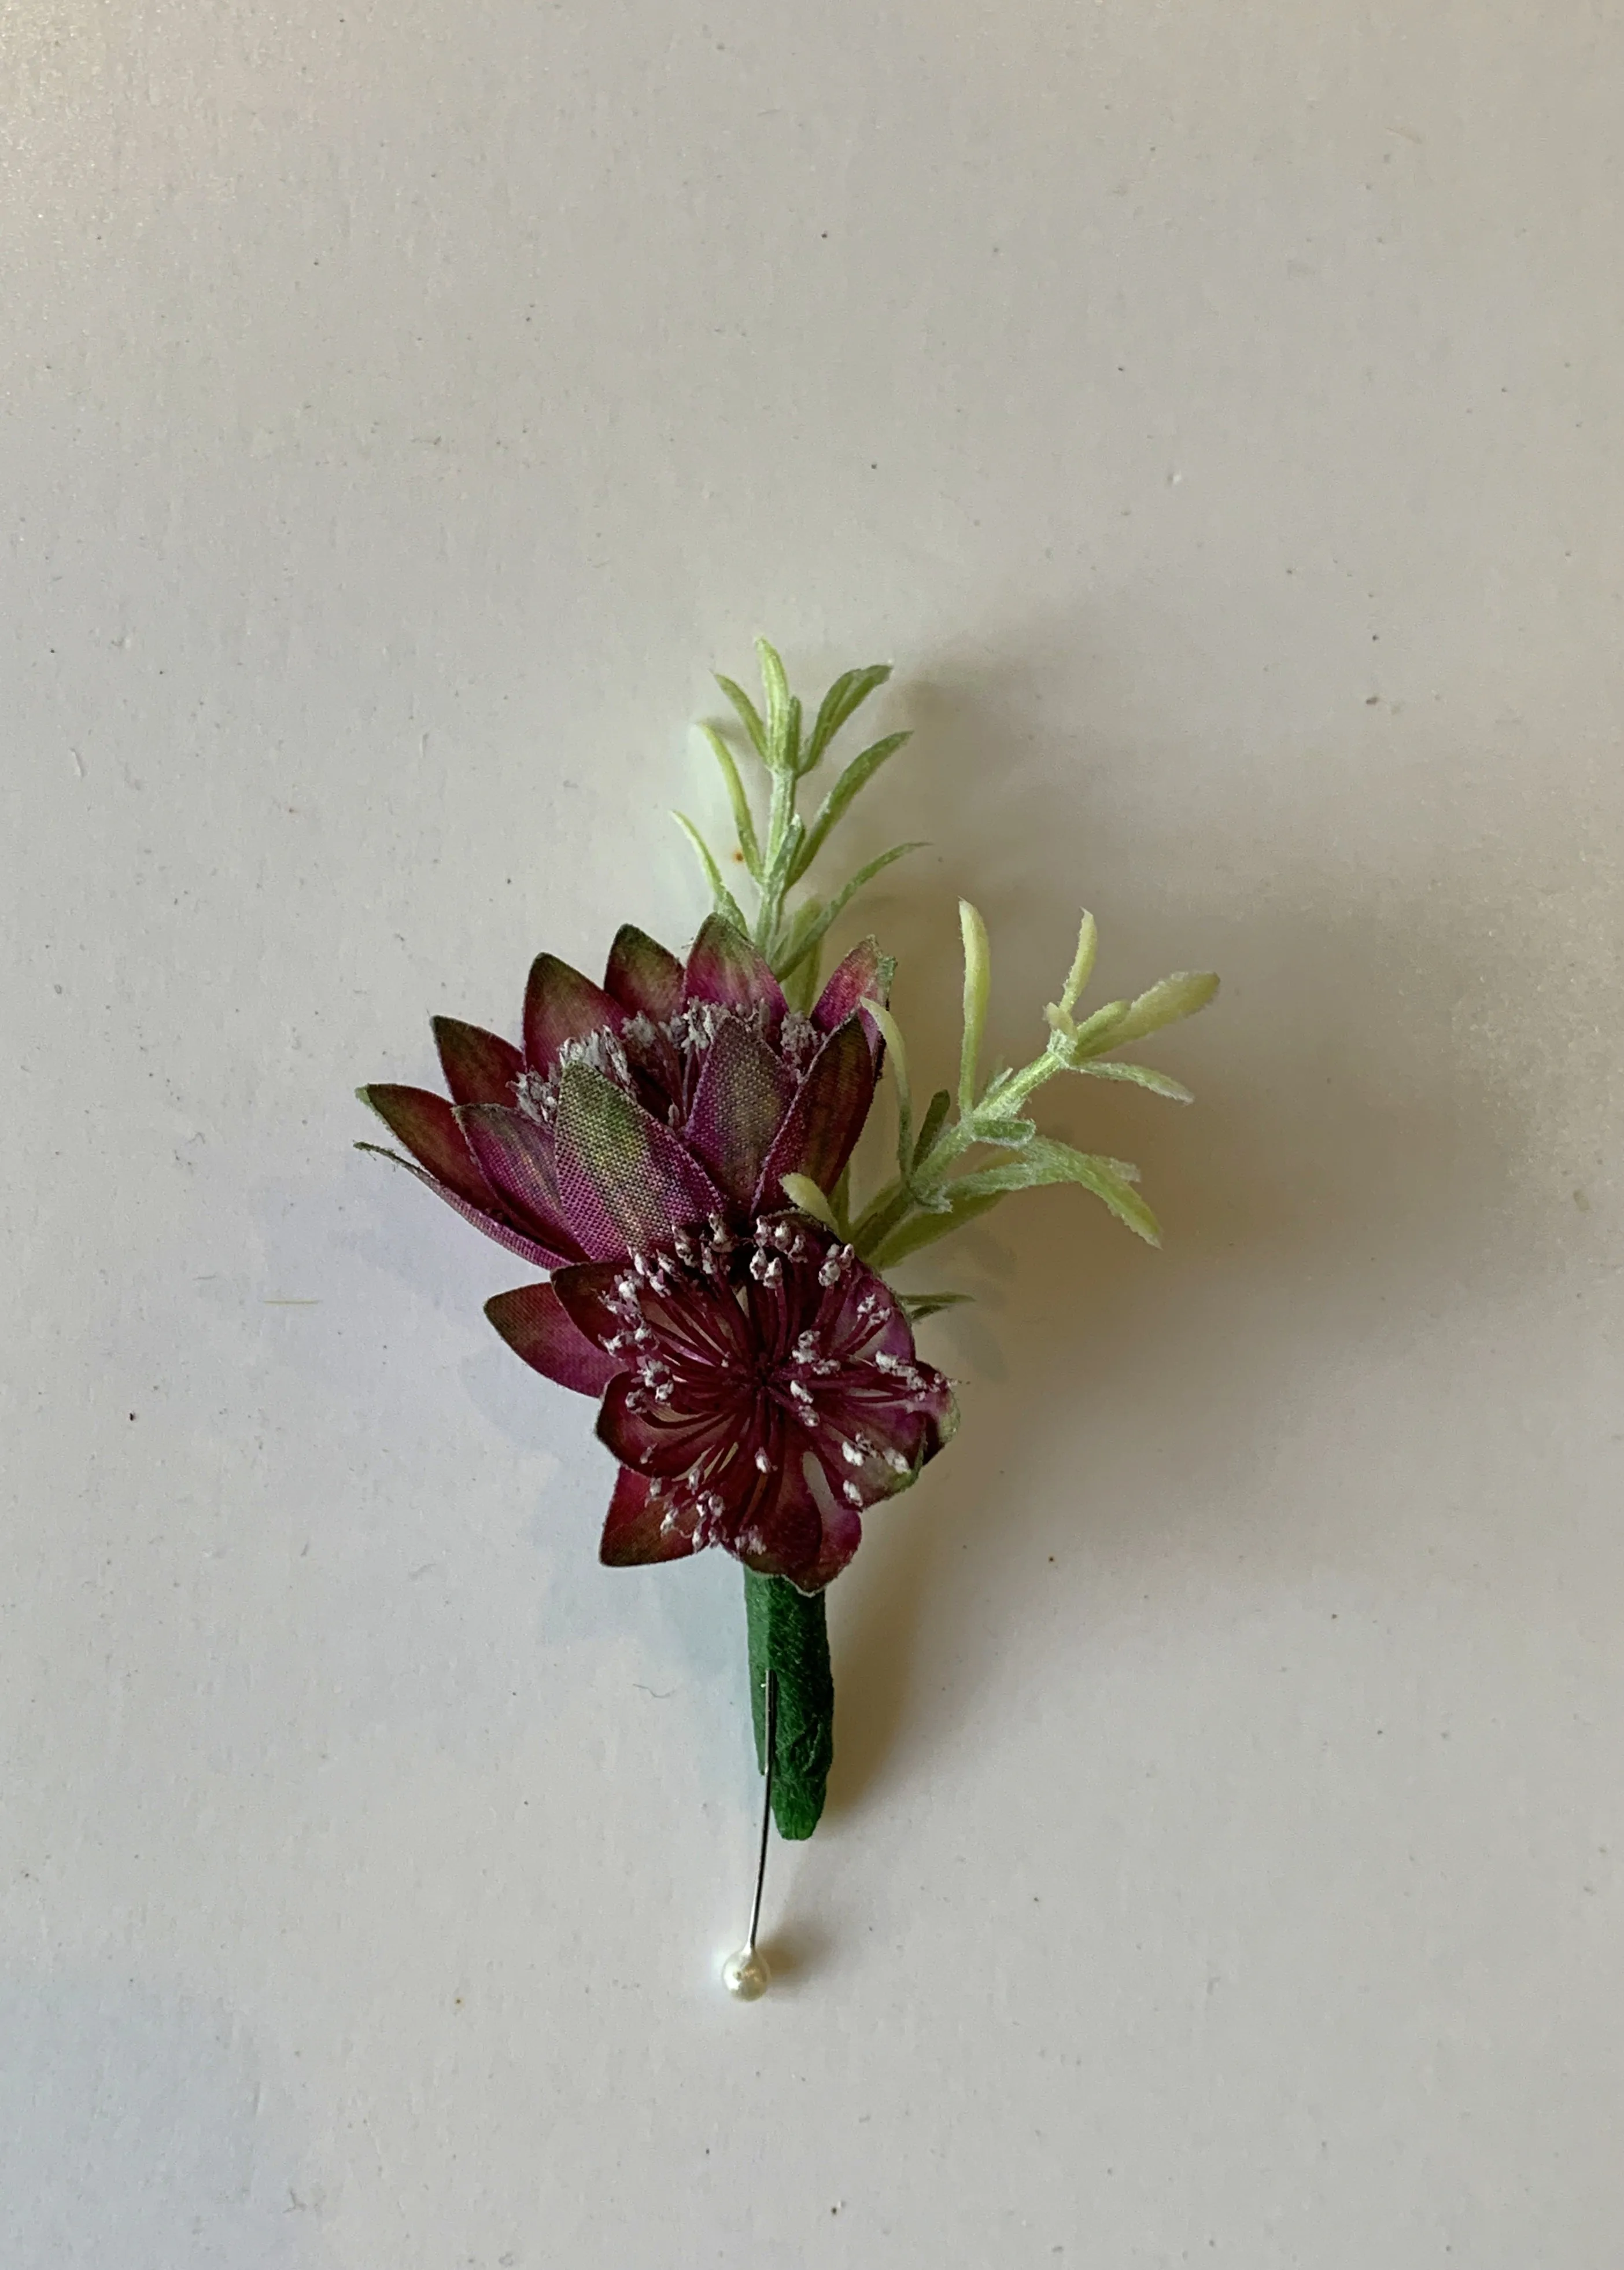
1215, 411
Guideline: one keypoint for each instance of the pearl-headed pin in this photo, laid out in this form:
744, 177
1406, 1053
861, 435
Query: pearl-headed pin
745, 1974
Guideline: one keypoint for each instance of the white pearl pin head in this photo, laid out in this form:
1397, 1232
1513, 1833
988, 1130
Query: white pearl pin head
745, 1976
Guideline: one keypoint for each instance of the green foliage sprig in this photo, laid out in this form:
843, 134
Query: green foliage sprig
938, 1186
778, 857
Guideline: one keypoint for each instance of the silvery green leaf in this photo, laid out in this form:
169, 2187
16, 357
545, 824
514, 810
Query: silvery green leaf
897, 1056
930, 1125
1142, 1076
749, 715
840, 1201
843, 699
791, 955
1045, 1161
924, 1230
743, 822
802, 920
977, 985
917, 1306
775, 686
792, 735
801, 986
802, 1192
856, 775
1014, 1134
1096, 1032
840, 899
1176, 997
725, 903
1081, 971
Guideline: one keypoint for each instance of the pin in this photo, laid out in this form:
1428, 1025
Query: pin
745, 1975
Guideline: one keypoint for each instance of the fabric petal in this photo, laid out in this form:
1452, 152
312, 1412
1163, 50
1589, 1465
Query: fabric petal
646, 1434
642, 976
495, 1225
426, 1124
535, 1325
825, 1120
641, 1529
745, 1091
780, 1532
841, 1534
585, 1292
859, 978
624, 1183
724, 968
479, 1067
913, 1429
517, 1155
561, 1005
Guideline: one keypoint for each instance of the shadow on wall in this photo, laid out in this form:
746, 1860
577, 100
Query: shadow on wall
1355, 1160
138, 2129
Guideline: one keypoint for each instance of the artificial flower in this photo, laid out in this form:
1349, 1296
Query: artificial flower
757, 1378
664, 1095
759, 1391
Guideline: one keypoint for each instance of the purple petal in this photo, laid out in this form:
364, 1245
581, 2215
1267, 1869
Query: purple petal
781, 1530
624, 1183
915, 1427
479, 1067
493, 1225
642, 976
704, 1325
645, 1434
724, 968
585, 1292
841, 1534
426, 1124
745, 1090
855, 981
905, 1409
634, 1530
535, 1325
561, 1005
825, 1118
517, 1156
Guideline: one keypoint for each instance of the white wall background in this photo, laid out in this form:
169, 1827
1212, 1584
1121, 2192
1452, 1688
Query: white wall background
1215, 411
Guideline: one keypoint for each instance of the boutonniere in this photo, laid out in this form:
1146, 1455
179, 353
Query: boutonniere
671, 1149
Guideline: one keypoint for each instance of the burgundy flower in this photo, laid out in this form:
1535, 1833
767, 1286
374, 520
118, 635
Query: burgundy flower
759, 1391
664, 1095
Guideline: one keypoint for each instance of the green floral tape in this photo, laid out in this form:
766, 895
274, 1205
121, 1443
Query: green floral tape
788, 1633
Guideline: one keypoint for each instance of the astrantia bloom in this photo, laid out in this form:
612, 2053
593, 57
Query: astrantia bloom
708, 1070
759, 1391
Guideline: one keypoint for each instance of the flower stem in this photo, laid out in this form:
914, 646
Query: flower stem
788, 1634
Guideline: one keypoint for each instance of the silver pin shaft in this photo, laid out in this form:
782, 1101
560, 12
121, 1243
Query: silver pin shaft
767, 1806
